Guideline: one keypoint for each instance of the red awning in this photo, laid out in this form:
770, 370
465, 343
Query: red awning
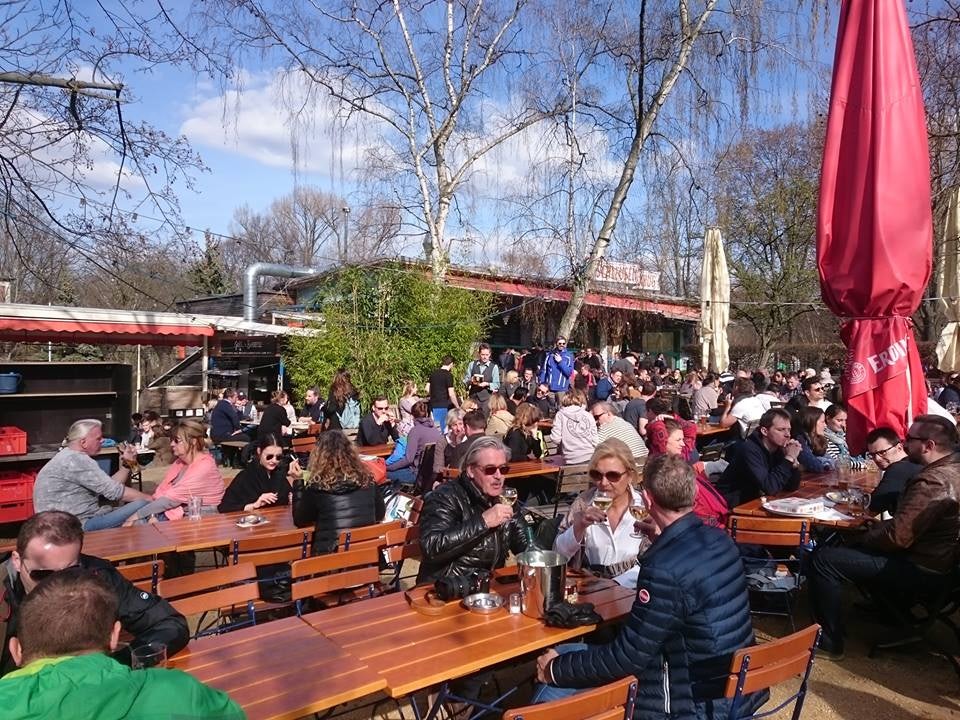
874, 226
676, 311
80, 330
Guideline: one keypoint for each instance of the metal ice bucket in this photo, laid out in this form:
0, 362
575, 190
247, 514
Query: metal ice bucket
543, 575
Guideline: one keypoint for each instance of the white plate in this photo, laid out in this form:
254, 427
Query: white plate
773, 507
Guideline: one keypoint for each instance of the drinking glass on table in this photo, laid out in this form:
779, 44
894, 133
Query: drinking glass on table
152, 654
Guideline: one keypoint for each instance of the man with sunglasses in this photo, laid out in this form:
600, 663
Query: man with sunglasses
914, 552
610, 425
50, 542
886, 450
557, 369
463, 526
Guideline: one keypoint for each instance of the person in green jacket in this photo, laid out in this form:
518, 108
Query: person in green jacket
67, 625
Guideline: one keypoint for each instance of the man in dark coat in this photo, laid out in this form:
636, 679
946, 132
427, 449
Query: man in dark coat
690, 615
51, 541
463, 526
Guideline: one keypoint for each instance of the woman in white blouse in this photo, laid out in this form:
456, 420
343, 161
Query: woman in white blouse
603, 540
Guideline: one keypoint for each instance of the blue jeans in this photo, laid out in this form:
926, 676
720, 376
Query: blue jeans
401, 476
440, 418
114, 518
548, 693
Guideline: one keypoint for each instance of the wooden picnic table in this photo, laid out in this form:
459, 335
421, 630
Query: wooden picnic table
382, 451
412, 652
519, 469
280, 670
125, 543
815, 485
212, 531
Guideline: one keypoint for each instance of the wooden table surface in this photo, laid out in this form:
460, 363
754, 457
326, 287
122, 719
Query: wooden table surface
218, 530
815, 485
384, 450
711, 429
412, 652
280, 670
519, 469
124, 543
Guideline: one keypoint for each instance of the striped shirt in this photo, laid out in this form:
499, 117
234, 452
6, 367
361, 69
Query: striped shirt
621, 430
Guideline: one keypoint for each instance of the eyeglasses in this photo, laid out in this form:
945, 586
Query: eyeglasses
493, 469
377, 407
610, 475
816, 389
175, 440
882, 453
597, 417
908, 438
273, 457
38, 574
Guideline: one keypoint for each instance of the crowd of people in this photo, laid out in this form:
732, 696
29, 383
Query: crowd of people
652, 519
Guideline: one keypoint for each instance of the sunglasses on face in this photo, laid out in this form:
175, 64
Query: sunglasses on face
611, 476
381, 409
38, 574
493, 469
273, 457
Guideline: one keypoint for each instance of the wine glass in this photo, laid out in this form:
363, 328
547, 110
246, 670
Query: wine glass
602, 501
640, 512
508, 496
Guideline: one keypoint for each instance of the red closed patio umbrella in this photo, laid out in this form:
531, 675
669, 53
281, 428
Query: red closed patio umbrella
874, 225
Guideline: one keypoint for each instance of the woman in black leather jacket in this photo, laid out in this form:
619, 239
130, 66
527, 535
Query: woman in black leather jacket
338, 492
463, 526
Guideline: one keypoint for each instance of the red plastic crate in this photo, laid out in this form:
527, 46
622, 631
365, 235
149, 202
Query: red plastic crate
16, 511
16, 486
13, 440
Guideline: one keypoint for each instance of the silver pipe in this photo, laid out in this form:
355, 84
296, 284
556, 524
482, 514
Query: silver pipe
253, 273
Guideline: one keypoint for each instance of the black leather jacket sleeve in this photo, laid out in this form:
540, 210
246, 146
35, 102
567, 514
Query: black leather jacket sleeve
148, 617
446, 532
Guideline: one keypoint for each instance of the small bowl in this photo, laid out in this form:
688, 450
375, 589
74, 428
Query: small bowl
483, 603
250, 519
836, 496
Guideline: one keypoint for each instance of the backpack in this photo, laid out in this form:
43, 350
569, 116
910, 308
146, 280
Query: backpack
350, 417
709, 505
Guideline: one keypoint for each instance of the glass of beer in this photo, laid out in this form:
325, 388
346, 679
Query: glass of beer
508, 496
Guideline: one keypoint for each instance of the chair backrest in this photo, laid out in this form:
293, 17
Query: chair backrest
713, 451
416, 507
780, 532
144, 575
333, 572
210, 590
613, 701
762, 666
270, 549
367, 533
303, 445
574, 478
425, 475
402, 544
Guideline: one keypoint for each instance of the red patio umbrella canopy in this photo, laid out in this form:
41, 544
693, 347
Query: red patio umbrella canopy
874, 228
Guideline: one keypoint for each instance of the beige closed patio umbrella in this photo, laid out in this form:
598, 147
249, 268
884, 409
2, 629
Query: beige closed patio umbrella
948, 345
714, 303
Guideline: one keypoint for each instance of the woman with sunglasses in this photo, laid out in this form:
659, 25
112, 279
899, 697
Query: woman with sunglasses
264, 482
605, 541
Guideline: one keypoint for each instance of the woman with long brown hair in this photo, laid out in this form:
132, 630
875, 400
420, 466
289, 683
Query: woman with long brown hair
338, 494
808, 427
342, 409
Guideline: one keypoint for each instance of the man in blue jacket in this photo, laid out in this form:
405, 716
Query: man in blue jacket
690, 615
557, 369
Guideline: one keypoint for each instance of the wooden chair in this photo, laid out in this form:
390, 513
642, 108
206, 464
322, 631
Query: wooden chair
571, 480
423, 483
272, 555
302, 446
218, 590
760, 667
415, 509
144, 575
354, 573
372, 535
399, 545
607, 702
784, 540
712, 452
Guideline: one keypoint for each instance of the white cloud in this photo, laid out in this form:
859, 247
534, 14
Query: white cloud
279, 120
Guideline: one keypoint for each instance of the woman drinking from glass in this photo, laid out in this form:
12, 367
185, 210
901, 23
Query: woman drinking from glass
598, 531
